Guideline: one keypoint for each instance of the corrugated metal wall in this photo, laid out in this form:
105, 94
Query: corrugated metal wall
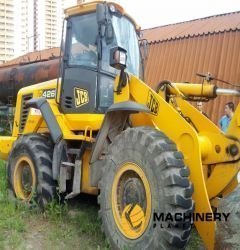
180, 59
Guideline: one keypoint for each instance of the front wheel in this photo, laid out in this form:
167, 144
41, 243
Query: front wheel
30, 169
144, 174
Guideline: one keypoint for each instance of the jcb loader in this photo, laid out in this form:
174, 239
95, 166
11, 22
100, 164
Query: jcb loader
99, 129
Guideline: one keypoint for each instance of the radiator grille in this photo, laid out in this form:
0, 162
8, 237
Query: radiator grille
24, 111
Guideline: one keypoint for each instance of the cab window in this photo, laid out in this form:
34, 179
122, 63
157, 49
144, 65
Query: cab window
83, 48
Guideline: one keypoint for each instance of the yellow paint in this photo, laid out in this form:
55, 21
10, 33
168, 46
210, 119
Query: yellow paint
230, 187
139, 218
33, 121
124, 96
234, 126
91, 7
221, 176
205, 146
85, 181
22, 163
190, 89
6, 143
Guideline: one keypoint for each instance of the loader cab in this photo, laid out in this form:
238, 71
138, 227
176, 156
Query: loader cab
92, 30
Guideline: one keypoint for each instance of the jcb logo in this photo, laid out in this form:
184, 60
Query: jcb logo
152, 103
81, 97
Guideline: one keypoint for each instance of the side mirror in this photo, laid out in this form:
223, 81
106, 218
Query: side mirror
101, 13
118, 58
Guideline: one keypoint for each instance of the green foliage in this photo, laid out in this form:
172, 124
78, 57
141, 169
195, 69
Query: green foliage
3, 182
60, 225
12, 224
6, 119
72, 225
195, 241
56, 211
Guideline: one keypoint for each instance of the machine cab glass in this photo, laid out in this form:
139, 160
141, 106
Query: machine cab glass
83, 48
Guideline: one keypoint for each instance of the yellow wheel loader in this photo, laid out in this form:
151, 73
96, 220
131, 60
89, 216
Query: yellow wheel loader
154, 161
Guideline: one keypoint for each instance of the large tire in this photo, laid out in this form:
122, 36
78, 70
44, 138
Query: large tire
144, 173
30, 169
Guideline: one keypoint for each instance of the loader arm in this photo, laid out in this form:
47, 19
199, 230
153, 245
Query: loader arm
220, 152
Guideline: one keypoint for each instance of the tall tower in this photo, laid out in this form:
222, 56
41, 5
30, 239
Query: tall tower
23, 26
6, 30
30, 25
47, 22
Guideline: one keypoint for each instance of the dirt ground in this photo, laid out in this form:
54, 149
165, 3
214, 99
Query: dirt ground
77, 228
74, 226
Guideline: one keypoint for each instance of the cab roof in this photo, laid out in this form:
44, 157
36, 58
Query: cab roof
91, 7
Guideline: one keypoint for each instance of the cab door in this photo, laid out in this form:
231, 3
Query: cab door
80, 63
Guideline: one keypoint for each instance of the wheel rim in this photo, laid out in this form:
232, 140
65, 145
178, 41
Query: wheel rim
24, 178
131, 200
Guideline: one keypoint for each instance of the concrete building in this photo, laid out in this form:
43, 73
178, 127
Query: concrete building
47, 23
30, 25
6, 30
23, 27
39, 25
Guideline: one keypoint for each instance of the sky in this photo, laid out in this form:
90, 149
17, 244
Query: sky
152, 13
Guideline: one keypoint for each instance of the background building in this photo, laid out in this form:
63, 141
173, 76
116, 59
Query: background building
30, 25
6, 30
178, 51
43, 22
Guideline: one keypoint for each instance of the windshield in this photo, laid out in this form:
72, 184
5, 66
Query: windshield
83, 44
125, 37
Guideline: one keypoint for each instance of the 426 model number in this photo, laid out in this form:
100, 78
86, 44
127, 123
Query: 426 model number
49, 93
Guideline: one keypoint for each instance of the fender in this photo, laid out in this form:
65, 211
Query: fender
113, 124
43, 105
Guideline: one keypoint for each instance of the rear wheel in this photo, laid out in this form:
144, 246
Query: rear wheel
30, 169
144, 173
